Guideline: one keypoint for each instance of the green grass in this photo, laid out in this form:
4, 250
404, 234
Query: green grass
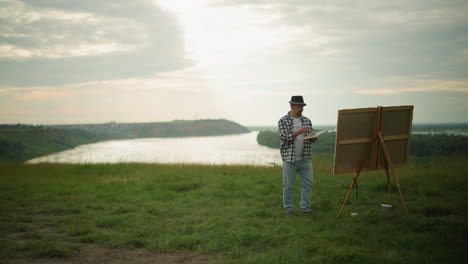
234, 212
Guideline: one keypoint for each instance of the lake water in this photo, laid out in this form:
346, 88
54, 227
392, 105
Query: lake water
230, 149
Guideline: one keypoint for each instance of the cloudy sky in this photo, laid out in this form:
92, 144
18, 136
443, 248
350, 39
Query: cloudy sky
64, 61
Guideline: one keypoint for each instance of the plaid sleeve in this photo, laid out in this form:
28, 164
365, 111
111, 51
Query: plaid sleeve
307, 143
307, 123
285, 131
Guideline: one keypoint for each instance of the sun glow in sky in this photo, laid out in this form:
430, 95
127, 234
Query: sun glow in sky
228, 35
227, 44
160, 60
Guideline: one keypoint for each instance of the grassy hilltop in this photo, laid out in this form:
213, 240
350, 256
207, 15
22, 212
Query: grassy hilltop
231, 214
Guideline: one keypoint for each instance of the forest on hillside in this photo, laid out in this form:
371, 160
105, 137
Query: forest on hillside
177, 128
22, 142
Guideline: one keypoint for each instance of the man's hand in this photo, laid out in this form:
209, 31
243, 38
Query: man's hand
300, 131
313, 140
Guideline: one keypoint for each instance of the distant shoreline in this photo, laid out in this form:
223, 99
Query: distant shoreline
19, 143
449, 128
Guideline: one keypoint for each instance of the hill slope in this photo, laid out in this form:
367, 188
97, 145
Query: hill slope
22, 142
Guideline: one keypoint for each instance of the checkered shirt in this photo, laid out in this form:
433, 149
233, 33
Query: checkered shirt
285, 131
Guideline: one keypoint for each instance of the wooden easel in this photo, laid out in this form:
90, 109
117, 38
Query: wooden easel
376, 141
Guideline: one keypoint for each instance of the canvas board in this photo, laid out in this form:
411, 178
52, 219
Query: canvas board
356, 129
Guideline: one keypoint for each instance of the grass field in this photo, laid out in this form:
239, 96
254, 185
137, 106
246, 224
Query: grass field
233, 214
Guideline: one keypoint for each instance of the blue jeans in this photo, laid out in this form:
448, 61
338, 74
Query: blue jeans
290, 170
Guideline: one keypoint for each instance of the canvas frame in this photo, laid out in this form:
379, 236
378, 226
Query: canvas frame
356, 148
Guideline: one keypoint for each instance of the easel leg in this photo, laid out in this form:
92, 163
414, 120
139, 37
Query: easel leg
389, 187
401, 193
356, 175
392, 170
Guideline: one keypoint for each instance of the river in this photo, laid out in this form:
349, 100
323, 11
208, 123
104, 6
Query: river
230, 149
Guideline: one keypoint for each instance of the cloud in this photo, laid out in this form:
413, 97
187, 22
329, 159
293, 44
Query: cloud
246, 56
379, 91
187, 81
165, 96
58, 42
367, 39
37, 94
50, 33
405, 86
45, 95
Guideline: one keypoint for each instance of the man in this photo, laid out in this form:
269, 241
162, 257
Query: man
296, 154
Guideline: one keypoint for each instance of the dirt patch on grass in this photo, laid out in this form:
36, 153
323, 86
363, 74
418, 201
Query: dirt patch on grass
63, 250
94, 254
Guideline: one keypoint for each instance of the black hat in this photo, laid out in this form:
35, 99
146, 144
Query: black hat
297, 100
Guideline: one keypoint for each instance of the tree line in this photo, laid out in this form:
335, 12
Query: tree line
177, 128
420, 145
